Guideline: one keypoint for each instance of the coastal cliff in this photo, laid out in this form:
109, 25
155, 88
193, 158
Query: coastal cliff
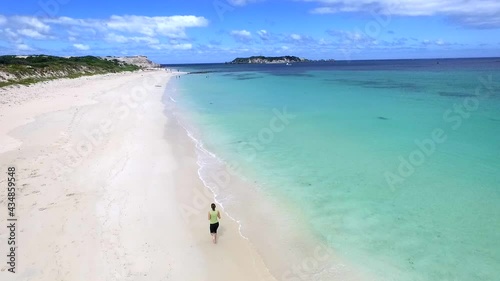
140, 61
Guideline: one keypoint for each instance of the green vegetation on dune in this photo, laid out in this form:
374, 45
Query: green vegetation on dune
33, 69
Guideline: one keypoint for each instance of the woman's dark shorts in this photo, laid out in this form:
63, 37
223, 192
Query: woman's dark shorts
213, 227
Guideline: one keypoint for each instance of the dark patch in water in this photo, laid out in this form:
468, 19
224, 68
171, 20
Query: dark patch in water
293, 74
243, 76
246, 78
201, 72
383, 118
378, 84
455, 94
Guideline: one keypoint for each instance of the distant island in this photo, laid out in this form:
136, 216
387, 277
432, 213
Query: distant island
31, 69
268, 60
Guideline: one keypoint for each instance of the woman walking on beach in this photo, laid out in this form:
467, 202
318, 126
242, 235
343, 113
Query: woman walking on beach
213, 217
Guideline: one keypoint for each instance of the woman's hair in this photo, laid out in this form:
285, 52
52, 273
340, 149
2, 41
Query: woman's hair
213, 206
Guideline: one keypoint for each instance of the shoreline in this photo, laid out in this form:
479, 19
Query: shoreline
102, 175
291, 252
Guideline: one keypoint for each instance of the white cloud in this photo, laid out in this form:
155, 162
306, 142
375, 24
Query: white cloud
76, 22
112, 37
440, 42
172, 26
144, 39
11, 34
16, 27
140, 31
184, 46
24, 47
352, 39
32, 22
263, 34
81, 47
479, 13
241, 35
299, 40
31, 33
241, 2
117, 38
332, 10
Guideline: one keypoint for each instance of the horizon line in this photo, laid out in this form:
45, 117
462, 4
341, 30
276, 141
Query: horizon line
345, 60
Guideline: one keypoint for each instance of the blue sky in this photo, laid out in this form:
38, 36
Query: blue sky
219, 30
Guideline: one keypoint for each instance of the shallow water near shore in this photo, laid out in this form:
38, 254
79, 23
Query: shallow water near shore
395, 165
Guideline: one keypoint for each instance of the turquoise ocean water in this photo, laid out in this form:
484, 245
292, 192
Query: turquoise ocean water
395, 164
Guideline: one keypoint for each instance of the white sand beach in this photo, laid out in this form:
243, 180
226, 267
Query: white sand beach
105, 183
